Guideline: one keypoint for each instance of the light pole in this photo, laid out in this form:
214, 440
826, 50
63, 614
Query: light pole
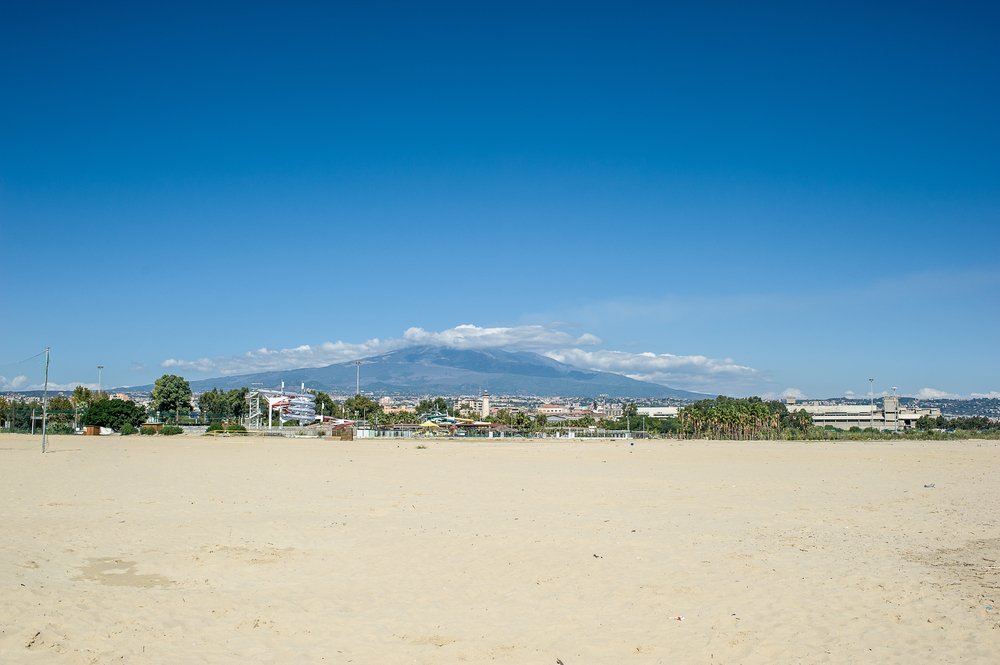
45, 404
357, 390
871, 397
99, 368
895, 422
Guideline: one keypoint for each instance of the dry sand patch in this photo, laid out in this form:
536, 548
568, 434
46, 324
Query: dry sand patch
187, 550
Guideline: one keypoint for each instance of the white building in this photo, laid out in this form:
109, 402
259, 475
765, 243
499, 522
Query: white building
659, 411
891, 417
612, 411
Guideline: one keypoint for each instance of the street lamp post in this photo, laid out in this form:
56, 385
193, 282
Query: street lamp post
45, 404
99, 368
895, 422
871, 397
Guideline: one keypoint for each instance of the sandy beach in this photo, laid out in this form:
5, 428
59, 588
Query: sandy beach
189, 550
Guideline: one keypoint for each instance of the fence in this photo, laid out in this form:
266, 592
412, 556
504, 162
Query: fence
27, 419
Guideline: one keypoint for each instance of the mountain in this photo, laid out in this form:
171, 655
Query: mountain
425, 370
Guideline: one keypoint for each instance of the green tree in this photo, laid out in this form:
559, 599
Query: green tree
217, 405
731, 418
521, 420
325, 405
82, 397
171, 393
436, 405
237, 402
60, 403
114, 413
6, 413
60, 411
801, 420
213, 404
360, 406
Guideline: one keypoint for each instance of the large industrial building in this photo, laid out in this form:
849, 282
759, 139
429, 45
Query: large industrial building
890, 417
658, 411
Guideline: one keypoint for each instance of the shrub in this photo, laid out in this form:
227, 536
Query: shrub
226, 427
127, 429
170, 430
114, 413
147, 431
60, 428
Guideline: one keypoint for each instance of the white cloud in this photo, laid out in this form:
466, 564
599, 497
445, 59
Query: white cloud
65, 387
849, 394
17, 383
933, 393
20, 383
993, 394
694, 372
698, 372
468, 336
265, 359
465, 336
793, 393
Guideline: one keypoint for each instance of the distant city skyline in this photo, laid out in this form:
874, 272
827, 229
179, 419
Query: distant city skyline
773, 200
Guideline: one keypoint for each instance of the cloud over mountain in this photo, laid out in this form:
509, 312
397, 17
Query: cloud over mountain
663, 368
933, 393
525, 338
551, 341
15, 383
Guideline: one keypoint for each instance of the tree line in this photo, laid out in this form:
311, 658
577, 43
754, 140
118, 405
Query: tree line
719, 418
967, 423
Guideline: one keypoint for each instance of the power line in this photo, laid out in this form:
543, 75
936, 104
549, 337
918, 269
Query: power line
18, 362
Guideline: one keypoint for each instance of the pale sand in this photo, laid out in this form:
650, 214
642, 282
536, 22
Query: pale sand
187, 550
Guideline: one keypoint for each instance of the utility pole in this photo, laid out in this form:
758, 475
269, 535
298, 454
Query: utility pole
45, 403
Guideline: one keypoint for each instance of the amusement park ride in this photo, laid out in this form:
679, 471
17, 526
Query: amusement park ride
290, 406
444, 420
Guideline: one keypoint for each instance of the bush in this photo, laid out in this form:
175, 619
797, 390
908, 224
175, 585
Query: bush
225, 427
171, 430
127, 429
60, 428
147, 431
114, 413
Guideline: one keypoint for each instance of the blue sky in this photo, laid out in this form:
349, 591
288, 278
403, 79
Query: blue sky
717, 196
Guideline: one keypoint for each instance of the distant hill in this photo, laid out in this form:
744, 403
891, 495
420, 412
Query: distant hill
422, 370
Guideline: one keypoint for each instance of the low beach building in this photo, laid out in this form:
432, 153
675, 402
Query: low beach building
891, 417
